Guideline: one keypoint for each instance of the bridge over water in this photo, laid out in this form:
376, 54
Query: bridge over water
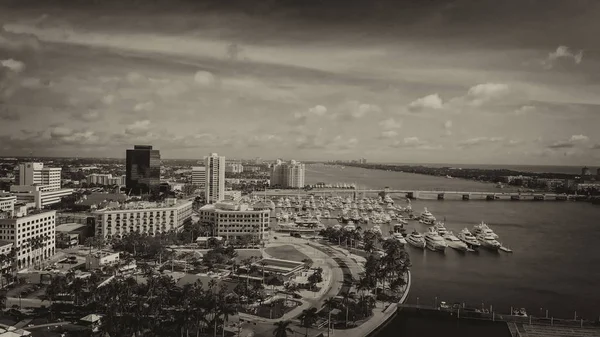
428, 194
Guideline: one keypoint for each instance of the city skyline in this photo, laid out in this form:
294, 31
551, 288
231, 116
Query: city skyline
436, 82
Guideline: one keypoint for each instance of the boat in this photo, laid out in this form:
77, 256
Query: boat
399, 237
519, 312
434, 241
416, 239
376, 229
488, 241
454, 242
427, 216
399, 228
483, 228
388, 200
440, 228
467, 237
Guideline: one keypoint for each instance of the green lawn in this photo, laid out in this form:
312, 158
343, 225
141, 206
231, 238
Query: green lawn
243, 254
286, 252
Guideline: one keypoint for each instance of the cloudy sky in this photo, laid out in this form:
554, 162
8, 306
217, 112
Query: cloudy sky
499, 82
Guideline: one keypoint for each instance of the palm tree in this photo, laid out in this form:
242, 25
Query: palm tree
290, 289
330, 303
308, 317
282, 328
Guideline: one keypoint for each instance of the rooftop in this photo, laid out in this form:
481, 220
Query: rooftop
139, 205
230, 206
103, 253
4, 243
69, 227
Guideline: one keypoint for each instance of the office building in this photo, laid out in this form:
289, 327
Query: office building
234, 168
7, 203
26, 232
105, 179
287, 175
142, 217
233, 220
142, 165
215, 178
198, 175
36, 174
101, 258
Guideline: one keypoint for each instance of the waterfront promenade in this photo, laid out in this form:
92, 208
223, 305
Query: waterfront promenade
330, 258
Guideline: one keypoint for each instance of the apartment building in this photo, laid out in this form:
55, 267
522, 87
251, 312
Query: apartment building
142, 217
234, 168
233, 220
287, 175
7, 203
199, 175
32, 235
215, 178
106, 179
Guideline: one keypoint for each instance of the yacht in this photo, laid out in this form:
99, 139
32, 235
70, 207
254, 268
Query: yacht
399, 237
376, 229
488, 241
427, 216
468, 238
483, 228
416, 239
399, 228
388, 200
454, 242
439, 227
435, 241
337, 227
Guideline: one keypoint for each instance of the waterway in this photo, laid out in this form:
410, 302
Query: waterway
556, 261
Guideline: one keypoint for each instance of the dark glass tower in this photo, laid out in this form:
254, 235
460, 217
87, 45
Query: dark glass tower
142, 170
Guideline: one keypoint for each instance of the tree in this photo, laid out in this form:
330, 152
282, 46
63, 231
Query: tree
308, 317
282, 328
315, 277
290, 289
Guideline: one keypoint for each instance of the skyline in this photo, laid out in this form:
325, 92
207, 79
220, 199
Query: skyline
445, 81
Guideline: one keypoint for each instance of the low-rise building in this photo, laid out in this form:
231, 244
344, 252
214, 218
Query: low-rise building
233, 195
142, 217
7, 203
72, 234
40, 195
33, 236
101, 258
233, 220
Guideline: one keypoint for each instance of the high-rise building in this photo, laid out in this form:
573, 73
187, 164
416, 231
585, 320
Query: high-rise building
215, 178
199, 175
142, 167
36, 174
39, 185
105, 179
586, 171
26, 231
287, 175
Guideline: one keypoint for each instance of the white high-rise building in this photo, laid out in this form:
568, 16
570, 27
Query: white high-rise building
198, 175
39, 185
36, 174
287, 175
215, 178
234, 168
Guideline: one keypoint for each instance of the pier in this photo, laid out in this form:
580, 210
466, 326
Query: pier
428, 194
518, 326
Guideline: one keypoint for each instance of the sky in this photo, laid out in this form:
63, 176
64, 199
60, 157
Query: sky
472, 82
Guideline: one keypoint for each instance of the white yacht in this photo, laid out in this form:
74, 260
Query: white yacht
468, 238
435, 241
427, 216
440, 228
488, 241
399, 237
416, 239
388, 200
399, 228
483, 228
454, 242
376, 229
350, 227
338, 226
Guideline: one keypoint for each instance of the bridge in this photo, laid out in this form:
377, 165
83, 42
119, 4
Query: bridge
429, 194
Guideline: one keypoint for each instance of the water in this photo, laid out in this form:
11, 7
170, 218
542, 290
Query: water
556, 259
519, 168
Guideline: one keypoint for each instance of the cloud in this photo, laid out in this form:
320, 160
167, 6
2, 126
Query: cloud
415, 143
18, 42
448, 128
144, 107
138, 128
234, 51
562, 52
390, 124
514, 142
569, 143
484, 93
389, 134
479, 141
63, 135
204, 78
8, 115
354, 110
318, 110
262, 140
14, 65
89, 116
433, 102
595, 146
525, 109
108, 99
